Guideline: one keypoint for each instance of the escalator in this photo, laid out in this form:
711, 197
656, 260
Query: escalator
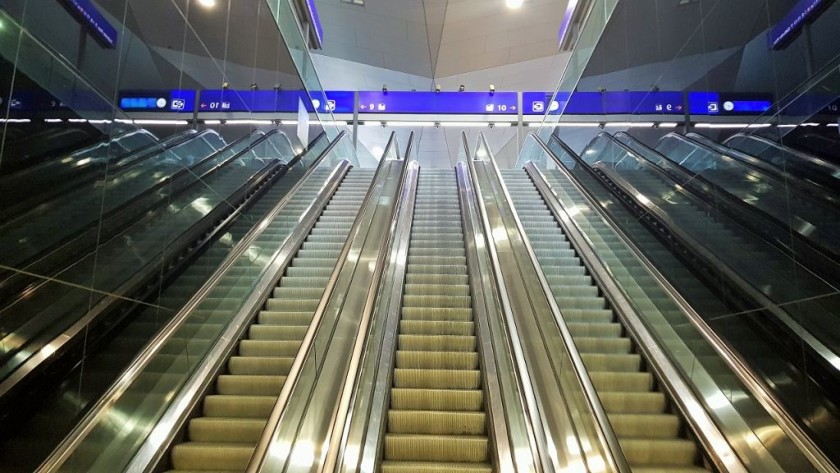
54, 325
805, 208
437, 419
651, 435
41, 228
26, 441
233, 416
751, 326
69, 243
771, 272
34, 185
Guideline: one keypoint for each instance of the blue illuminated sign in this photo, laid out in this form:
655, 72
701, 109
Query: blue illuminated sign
90, 17
713, 103
604, 103
788, 28
453, 103
339, 101
274, 101
177, 101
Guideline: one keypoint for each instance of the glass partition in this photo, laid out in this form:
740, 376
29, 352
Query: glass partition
113, 443
609, 230
740, 322
102, 208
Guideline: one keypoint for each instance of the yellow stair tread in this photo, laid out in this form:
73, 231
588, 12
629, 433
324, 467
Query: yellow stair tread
391, 466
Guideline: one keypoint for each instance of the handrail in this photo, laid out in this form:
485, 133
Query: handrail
807, 188
487, 305
823, 353
392, 261
701, 423
615, 459
63, 452
745, 373
390, 302
260, 455
758, 222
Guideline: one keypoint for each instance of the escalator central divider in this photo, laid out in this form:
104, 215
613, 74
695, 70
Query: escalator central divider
567, 430
280, 259
299, 426
371, 351
681, 394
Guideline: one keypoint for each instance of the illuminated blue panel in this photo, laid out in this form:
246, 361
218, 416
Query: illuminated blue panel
450, 103
94, 22
604, 103
177, 101
792, 23
340, 101
273, 101
714, 103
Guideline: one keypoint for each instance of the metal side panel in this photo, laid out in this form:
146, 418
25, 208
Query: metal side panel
102, 438
300, 428
568, 432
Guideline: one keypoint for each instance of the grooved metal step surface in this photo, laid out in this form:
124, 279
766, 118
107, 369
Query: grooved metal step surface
650, 436
436, 420
233, 415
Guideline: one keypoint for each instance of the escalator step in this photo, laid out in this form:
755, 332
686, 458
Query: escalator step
437, 379
437, 343
436, 422
643, 426
218, 429
436, 399
659, 452
436, 360
257, 407
633, 402
436, 448
437, 314
214, 456
421, 327
281, 348
260, 366
437, 467
250, 385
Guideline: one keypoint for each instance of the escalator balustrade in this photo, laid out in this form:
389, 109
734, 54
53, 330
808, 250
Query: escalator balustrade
651, 437
437, 420
233, 417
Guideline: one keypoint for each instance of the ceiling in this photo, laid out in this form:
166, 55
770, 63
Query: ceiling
440, 38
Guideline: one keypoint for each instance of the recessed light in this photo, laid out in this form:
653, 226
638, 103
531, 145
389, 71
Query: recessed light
207, 3
514, 4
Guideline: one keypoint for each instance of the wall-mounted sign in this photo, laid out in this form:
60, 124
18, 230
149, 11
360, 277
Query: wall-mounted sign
722, 104
451, 103
603, 103
93, 21
274, 101
177, 101
787, 29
